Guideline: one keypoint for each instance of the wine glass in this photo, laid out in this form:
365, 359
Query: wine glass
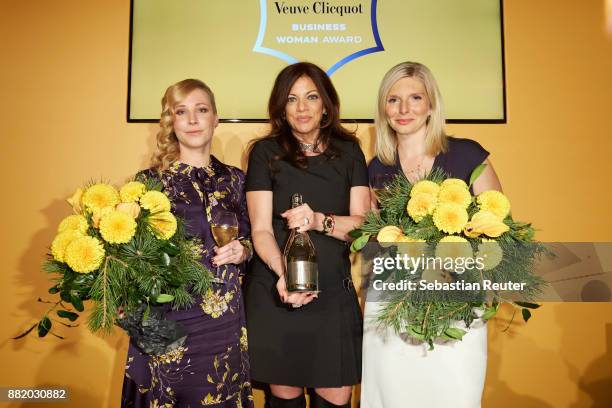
380, 184
224, 227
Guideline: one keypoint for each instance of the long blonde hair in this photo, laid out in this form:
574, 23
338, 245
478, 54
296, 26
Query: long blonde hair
167, 144
386, 140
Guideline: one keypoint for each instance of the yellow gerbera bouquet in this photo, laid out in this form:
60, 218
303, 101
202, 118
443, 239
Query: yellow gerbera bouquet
437, 219
122, 249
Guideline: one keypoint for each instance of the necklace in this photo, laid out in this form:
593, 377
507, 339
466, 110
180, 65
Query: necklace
415, 173
307, 147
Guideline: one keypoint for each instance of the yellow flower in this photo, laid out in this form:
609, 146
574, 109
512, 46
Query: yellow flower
163, 224
454, 182
131, 191
485, 222
453, 239
495, 202
133, 209
491, 254
98, 214
456, 248
404, 239
75, 200
155, 201
388, 234
420, 205
414, 248
455, 194
84, 254
425, 186
450, 218
100, 196
436, 275
74, 222
61, 242
117, 227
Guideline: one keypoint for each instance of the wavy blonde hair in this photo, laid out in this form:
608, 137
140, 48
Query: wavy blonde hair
435, 138
167, 144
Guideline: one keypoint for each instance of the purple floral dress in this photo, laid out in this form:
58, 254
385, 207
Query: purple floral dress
212, 368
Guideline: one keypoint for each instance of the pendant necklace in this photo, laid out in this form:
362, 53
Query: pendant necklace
307, 147
415, 173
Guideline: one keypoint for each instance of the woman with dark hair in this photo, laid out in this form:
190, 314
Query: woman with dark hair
299, 340
212, 367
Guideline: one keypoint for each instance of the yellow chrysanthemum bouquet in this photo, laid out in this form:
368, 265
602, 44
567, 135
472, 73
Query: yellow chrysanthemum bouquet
445, 248
126, 252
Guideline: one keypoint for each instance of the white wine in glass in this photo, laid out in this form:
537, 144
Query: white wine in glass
380, 184
224, 227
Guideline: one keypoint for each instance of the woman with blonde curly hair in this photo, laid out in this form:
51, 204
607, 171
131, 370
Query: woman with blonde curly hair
212, 367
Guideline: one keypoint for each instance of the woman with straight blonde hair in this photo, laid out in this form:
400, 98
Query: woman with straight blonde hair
410, 140
435, 140
212, 367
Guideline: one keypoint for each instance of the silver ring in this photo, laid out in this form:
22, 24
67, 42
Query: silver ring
296, 305
306, 221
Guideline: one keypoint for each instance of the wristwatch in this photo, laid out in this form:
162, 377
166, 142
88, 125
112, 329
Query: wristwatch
328, 224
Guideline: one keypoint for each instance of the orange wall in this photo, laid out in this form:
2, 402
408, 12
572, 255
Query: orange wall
63, 77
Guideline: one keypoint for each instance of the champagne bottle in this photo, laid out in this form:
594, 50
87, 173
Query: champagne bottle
301, 271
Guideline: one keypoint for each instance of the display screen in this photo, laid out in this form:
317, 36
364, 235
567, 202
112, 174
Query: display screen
238, 47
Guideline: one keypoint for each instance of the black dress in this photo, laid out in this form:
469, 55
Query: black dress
461, 158
319, 344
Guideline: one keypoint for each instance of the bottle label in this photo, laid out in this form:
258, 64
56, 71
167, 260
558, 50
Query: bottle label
302, 276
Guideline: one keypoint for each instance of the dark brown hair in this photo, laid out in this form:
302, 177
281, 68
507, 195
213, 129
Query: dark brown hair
330, 124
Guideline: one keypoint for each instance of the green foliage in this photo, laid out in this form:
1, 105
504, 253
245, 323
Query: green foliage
476, 173
44, 326
164, 298
360, 242
428, 315
25, 333
145, 270
490, 311
526, 314
68, 315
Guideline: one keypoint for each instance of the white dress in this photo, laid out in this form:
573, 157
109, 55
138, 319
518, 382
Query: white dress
399, 373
